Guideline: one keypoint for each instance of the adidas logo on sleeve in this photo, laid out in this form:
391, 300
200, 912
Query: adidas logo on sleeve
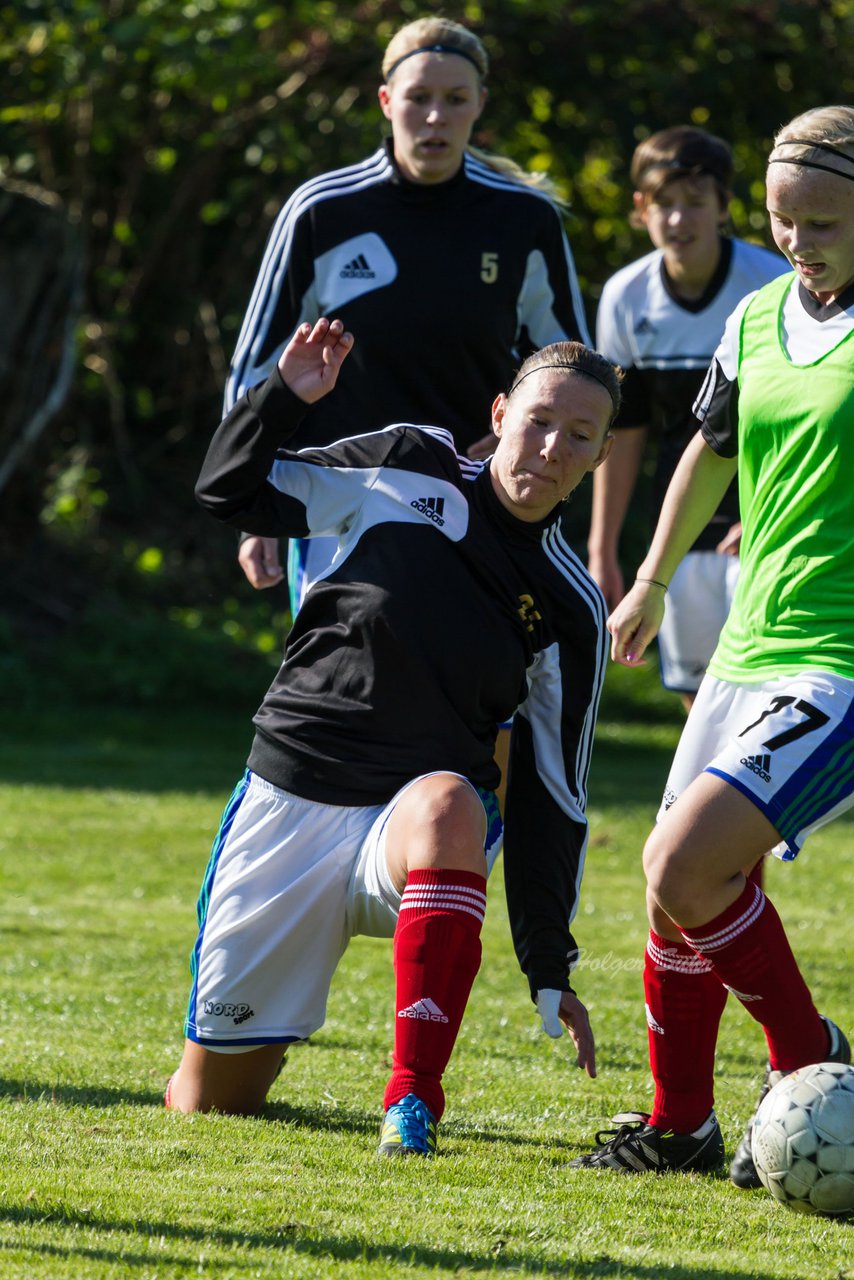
432, 508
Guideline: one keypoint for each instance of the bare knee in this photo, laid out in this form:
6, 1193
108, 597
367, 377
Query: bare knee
659, 920
233, 1084
439, 822
671, 881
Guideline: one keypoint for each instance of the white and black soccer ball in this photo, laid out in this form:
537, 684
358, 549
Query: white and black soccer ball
803, 1139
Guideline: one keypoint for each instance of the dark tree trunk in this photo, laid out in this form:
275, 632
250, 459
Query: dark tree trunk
41, 286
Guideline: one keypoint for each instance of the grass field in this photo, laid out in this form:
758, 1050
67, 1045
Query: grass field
107, 821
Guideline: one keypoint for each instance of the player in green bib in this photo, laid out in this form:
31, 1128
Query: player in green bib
767, 754
792, 608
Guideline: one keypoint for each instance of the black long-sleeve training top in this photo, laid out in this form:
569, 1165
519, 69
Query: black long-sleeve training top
441, 616
479, 266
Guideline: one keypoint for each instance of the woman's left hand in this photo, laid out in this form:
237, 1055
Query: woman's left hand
560, 1009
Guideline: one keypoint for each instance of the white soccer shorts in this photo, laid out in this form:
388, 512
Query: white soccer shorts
787, 744
288, 883
698, 601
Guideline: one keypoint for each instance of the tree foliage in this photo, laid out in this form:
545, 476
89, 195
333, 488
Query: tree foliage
172, 132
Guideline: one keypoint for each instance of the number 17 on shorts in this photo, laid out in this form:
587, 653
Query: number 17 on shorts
790, 748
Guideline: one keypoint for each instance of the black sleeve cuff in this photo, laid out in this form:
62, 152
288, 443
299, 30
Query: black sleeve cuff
276, 405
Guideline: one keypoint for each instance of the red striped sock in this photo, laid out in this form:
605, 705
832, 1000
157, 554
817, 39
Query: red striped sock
684, 1003
436, 959
750, 953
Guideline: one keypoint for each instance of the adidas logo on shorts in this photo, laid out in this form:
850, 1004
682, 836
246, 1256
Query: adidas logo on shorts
760, 765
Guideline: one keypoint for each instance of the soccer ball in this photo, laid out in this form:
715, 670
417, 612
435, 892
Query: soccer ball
803, 1139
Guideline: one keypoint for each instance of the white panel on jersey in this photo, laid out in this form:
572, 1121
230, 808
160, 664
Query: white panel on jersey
331, 495
418, 499
404, 497
536, 302
343, 502
542, 708
356, 266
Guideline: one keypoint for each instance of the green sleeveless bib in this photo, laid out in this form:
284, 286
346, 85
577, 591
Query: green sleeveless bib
794, 604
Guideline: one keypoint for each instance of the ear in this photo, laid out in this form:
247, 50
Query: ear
499, 408
607, 445
484, 94
639, 203
384, 95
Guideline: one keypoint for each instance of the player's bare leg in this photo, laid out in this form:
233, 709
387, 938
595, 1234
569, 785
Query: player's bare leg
438, 822
233, 1083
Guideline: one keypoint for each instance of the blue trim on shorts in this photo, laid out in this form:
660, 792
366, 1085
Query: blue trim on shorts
225, 825
209, 1041
820, 783
296, 561
494, 821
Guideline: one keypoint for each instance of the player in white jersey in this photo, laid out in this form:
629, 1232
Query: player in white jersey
660, 319
767, 754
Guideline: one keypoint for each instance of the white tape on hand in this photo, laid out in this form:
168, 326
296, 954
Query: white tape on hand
548, 1005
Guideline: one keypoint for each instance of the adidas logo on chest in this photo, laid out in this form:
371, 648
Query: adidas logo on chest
358, 269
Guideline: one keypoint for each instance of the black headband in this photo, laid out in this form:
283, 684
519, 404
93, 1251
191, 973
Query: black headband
574, 367
814, 164
434, 48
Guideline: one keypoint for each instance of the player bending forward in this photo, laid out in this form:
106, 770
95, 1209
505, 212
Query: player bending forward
767, 753
452, 603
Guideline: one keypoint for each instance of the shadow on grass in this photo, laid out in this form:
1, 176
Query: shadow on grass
133, 750
70, 1095
319, 1118
289, 1239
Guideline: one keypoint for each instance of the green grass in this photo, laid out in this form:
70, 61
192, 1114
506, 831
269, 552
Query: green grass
107, 822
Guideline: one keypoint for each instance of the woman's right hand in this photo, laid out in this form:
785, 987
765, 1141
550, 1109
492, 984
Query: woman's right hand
635, 622
259, 559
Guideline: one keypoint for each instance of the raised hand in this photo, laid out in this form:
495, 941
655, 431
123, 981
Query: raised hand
310, 362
